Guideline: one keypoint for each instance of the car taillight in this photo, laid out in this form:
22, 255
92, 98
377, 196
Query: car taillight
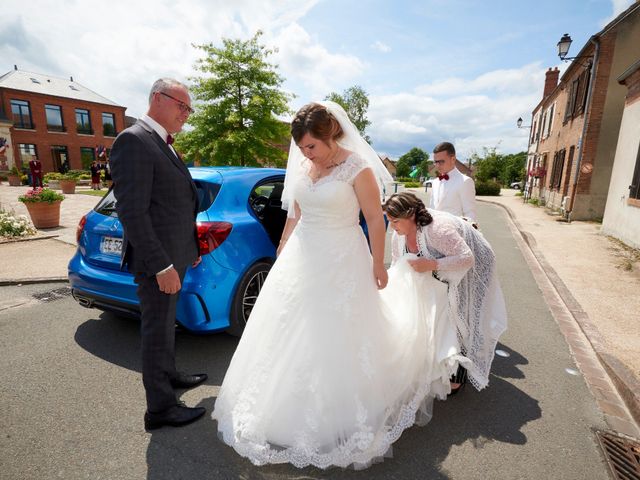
211, 235
80, 228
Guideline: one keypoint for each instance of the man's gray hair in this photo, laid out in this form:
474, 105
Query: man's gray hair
163, 84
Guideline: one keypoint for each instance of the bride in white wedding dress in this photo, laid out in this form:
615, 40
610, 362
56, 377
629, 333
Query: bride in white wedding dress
325, 374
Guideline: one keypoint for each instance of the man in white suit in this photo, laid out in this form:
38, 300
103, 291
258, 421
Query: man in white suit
453, 191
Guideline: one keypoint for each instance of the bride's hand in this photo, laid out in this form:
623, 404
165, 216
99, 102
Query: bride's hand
381, 276
422, 265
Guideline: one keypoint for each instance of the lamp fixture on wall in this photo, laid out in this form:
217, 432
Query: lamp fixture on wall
563, 49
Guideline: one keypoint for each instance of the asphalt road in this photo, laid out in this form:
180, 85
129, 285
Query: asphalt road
71, 400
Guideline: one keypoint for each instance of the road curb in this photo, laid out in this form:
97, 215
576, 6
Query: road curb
625, 382
28, 281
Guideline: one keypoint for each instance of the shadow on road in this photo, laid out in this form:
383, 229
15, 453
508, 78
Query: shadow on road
470, 420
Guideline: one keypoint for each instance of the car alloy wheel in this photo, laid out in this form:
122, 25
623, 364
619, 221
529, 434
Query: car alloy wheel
246, 296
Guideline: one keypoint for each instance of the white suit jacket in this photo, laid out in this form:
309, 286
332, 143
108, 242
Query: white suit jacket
456, 195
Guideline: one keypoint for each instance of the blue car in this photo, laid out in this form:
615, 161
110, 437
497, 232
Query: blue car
240, 221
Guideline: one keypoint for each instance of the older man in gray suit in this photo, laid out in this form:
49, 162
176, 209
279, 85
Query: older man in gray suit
157, 206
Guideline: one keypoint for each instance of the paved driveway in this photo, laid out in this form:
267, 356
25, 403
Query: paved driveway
71, 400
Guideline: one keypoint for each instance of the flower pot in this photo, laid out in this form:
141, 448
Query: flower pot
14, 180
68, 186
44, 214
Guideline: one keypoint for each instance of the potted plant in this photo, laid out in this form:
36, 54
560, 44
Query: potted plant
68, 183
43, 205
15, 177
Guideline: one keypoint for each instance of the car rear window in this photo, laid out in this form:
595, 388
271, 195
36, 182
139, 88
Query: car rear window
207, 193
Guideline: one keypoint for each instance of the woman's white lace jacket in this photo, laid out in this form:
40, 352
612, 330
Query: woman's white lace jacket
467, 264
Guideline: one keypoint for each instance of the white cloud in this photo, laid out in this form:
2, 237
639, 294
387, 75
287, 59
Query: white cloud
380, 46
305, 60
119, 48
470, 113
618, 6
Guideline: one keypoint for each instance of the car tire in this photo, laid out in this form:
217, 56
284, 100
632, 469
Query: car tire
246, 295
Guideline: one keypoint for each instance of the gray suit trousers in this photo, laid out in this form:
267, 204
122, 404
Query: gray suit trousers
157, 331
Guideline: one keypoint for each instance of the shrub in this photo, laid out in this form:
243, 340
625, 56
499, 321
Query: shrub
15, 226
15, 171
519, 194
534, 201
52, 176
78, 174
412, 184
490, 187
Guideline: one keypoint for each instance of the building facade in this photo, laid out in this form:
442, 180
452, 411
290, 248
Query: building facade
574, 129
59, 120
622, 213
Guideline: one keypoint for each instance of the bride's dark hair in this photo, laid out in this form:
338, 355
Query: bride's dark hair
407, 205
315, 120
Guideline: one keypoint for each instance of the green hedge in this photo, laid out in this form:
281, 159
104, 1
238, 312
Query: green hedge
412, 185
490, 188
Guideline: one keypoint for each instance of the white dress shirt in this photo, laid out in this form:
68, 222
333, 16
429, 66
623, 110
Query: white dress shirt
456, 195
159, 129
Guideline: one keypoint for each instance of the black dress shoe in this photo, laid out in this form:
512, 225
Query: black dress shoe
184, 380
175, 416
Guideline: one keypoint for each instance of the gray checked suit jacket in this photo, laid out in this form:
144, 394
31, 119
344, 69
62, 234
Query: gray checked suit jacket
156, 202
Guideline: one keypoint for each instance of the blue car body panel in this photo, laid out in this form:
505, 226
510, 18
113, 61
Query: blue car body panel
208, 291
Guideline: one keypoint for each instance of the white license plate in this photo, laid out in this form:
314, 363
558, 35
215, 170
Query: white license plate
111, 245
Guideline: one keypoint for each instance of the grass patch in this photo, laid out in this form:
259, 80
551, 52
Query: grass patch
627, 256
93, 193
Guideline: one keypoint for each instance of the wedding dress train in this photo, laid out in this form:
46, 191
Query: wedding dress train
328, 370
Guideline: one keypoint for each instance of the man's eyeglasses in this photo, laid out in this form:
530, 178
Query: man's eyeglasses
439, 161
184, 108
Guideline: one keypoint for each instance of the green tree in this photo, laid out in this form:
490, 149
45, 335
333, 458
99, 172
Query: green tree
237, 102
402, 169
416, 157
355, 102
505, 169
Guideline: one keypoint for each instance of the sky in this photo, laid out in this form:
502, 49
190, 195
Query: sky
434, 70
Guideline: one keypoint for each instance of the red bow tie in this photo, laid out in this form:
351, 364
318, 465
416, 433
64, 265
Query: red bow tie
169, 139
443, 177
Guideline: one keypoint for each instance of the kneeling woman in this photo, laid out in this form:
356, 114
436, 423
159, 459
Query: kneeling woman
445, 248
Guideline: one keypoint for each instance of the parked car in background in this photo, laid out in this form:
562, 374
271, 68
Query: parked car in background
518, 185
239, 224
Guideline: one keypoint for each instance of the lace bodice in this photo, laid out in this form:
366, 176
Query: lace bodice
330, 202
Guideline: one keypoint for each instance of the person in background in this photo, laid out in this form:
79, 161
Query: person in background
95, 175
36, 172
452, 191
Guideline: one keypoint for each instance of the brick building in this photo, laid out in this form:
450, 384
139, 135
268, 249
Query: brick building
59, 120
574, 128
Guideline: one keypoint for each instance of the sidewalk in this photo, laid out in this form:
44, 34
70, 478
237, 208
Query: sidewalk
45, 256
598, 281
588, 271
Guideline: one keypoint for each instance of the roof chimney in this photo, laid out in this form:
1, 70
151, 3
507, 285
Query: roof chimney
15, 67
71, 78
550, 81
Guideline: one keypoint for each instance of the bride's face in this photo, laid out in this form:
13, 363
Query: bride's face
403, 226
314, 149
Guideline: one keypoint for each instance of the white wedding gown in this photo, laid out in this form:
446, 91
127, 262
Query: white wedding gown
327, 371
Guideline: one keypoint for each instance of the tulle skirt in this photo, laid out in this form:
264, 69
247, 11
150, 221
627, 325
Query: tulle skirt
328, 371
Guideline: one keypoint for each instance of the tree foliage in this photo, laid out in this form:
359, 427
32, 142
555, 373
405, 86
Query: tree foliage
237, 101
416, 157
505, 169
355, 102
